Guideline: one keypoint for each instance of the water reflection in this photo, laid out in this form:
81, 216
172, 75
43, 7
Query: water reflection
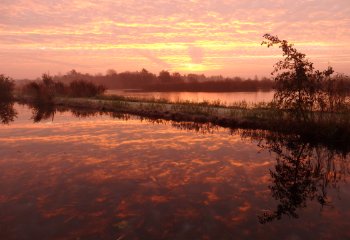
108, 179
303, 172
43, 112
7, 112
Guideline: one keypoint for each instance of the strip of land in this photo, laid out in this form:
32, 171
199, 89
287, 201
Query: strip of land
178, 111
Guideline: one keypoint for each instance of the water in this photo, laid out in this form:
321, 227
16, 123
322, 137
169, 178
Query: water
75, 175
225, 97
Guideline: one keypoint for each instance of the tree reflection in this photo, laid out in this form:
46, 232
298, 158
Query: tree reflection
303, 172
7, 112
82, 113
43, 112
197, 127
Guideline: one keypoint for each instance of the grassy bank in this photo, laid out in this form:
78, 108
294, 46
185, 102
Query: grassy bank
240, 113
181, 110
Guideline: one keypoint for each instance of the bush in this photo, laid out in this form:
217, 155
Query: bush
43, 92
39, 92
336, 94
7, 87
80, 88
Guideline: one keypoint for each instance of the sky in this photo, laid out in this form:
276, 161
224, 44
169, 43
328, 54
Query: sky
221, 37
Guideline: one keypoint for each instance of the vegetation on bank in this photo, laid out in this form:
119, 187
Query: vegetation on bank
7, 87
7, 112
47, 89
300, 88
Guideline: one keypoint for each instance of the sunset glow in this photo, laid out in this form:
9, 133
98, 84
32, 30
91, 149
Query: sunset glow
211, 37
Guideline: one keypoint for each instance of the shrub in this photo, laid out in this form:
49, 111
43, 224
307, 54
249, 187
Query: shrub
40, 93
336, 94
43, 92
80, 88
7, 87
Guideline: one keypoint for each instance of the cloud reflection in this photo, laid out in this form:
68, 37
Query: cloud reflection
101, 177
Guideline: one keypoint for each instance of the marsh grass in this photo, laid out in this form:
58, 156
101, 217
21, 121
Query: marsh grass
205, 110
152, 106
131, 99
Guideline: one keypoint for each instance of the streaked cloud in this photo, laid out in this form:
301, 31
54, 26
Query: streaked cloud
196, 54
214, 37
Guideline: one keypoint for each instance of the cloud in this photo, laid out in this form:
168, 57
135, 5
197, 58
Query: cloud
151, 57
171, 34
196, 54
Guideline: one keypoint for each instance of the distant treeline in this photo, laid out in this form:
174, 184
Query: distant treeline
165, 81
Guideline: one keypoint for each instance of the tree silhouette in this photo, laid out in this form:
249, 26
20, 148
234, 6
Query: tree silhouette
7, 111
298, 85
7, 87
164, 77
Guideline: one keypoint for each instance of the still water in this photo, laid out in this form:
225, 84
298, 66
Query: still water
224, 97
102, 176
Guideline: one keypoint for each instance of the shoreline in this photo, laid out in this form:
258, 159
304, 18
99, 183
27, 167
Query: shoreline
214, 112
204, 112
327, 128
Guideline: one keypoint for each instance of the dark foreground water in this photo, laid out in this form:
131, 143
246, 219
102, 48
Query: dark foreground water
75, 176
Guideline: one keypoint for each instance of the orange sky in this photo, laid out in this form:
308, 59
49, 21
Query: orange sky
211, 37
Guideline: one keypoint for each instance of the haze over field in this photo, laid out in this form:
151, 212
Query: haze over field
210, 37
